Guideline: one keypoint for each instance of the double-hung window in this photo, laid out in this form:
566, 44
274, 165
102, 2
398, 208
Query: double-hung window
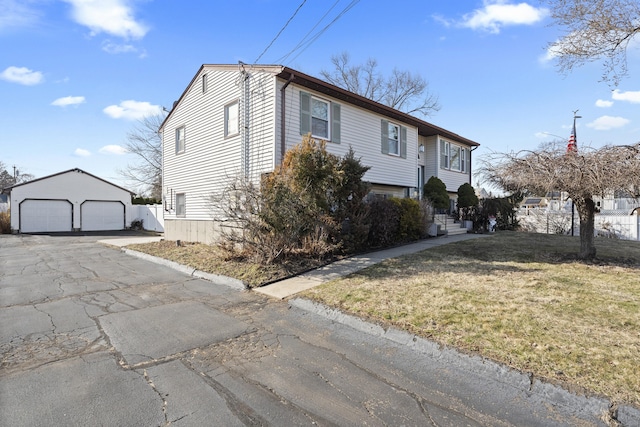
180, 204
180, 140
454, 154
231, 122
444, 154
453, 157
319, 117
394, 139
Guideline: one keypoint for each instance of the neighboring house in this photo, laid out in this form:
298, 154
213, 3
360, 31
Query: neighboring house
239, 120
72, 200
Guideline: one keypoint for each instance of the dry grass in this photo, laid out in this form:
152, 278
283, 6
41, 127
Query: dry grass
520, 299
211, 259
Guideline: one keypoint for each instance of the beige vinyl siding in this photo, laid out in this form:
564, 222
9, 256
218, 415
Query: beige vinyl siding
360, 129
453, 180
210, 161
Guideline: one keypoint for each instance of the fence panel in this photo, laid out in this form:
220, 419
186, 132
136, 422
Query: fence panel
151, 216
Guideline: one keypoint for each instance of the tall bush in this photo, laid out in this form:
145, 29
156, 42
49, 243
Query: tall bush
467, 199
410, 224
435, 191
311, 205
385, 222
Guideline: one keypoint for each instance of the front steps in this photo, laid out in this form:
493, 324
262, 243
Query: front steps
450, 225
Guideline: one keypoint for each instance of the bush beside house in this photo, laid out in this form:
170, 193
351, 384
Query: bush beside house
314, 205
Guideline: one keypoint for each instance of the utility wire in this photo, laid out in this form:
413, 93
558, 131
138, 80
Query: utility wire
284, 58
280, 32
340, 15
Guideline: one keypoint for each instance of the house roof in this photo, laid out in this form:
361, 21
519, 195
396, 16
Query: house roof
313, 83
7, 190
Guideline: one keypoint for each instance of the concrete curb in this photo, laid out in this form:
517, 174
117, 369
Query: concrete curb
584, 407
214, 278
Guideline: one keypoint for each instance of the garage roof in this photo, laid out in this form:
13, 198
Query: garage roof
7, 190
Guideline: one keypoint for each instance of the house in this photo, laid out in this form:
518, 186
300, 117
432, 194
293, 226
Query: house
239, 120
73, 200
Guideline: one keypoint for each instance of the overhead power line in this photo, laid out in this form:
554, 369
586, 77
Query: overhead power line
284, 58
304, 45
280, 32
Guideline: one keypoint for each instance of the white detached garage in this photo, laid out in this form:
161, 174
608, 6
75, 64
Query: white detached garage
73, 200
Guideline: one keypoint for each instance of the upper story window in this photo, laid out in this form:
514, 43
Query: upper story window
319, 117
180, 140
453, 157
205, 83
231, 122
394, 139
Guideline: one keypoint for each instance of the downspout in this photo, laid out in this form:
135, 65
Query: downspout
282, 114
471, 150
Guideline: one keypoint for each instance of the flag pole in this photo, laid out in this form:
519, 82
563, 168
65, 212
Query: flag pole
572, 147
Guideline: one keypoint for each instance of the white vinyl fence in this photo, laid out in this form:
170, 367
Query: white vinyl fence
151, 216
615, 225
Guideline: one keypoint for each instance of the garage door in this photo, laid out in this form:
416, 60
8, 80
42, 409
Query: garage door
43, 216
99, 216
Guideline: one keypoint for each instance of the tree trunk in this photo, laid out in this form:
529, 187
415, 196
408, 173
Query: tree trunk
586, 211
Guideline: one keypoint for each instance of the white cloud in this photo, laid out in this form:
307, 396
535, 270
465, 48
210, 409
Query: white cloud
17, 14
113, 149
603, 103
22, 75
608, 123
499, 13
629, 96
81, 152
108, 16
68, 100
132, 110
115, 48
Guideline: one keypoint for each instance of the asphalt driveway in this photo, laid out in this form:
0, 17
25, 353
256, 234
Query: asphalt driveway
92, 336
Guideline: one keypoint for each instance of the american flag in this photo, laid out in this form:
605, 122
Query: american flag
572, 146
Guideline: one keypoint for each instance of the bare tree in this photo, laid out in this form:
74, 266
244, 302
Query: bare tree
144, 142
595, 30
583, 175
402, 90
7, 179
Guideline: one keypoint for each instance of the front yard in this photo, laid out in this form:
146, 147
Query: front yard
516, 298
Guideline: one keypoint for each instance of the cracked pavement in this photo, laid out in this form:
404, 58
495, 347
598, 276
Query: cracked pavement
92, 336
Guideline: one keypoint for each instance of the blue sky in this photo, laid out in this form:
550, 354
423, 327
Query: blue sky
75, 75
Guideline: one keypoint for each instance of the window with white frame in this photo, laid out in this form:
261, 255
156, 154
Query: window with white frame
180, 204
231, 124
393, 137
464, 153
444, 154
205, 83
453, 157
319, 117
180, 140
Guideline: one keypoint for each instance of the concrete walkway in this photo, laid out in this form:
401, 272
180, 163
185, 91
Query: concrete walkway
288, 287
125, 241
